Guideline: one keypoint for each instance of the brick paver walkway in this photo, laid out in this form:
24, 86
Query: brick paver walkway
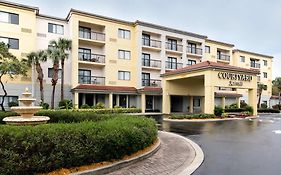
174, 155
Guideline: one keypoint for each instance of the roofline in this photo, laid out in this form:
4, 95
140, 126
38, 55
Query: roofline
97, 16
51, 17
205, 67
249, 52
219, 42
142, 23
21, 6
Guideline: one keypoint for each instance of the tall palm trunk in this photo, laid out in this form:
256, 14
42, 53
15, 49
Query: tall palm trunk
62, 80
54, 82
5, 94
40, 79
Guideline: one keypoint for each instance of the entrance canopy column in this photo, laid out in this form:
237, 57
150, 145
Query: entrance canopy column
143, 103
223, 102
209, 91
252, 94
190, 104
166, 98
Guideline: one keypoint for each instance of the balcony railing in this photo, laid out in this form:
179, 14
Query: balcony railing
194, 50
96, 58
92, 35
91, 80
172, 46
173, 65
151, 43
255, 65
151, 82
151, 63
223, 57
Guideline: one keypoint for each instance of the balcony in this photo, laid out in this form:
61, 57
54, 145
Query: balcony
91, 58
150, 43
223, 57
91, 80
151, 63
255, 65
173, 65
174, 47
194, 50
92, 36
151, 82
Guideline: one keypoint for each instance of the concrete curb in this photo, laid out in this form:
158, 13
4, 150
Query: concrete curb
198, 159
120, 164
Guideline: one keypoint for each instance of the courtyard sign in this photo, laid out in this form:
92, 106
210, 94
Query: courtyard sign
235, 78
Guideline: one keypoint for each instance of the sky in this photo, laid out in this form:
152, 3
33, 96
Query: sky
252, 25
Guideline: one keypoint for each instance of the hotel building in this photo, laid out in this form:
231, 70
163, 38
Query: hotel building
134, 64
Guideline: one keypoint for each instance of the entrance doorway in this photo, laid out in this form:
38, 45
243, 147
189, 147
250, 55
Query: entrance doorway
176, 103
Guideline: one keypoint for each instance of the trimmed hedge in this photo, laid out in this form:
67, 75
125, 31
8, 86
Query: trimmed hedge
76, 115
192, 116
235, 110
43, 148
268, 110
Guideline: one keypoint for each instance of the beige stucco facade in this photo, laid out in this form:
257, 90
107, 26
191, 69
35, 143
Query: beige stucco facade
100, 75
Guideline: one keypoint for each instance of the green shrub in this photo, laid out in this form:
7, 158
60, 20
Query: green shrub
268, 110
79, 115
192, 116
65, 104
243, 104
277, 106
13, 103
264, 105
218, 111
235, 110
250, 109
6, 114
43, 148
99, 105
85, 106
45, 105
117, 107
233, 106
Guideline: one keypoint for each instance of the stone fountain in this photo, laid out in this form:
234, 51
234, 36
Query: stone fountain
26, 111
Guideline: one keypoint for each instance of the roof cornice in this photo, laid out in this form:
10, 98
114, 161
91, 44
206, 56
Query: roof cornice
253, 53
20, 6
221, 43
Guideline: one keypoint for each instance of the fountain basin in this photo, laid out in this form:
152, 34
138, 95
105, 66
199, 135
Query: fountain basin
26, 112
26, 101
18, 120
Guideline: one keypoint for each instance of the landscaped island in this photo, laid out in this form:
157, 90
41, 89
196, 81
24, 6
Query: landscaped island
73, 138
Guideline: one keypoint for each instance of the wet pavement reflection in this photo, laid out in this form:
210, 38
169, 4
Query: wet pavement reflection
240, 147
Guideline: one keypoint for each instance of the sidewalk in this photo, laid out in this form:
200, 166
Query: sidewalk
177, 155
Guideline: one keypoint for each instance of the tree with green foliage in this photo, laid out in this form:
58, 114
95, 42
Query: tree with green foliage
64, 46
54, 54
35, 58
10, 66
277, 83
261, 87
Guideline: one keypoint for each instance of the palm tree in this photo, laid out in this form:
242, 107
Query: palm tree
35, 58
261, 87
55, 55
277, 83
64, 46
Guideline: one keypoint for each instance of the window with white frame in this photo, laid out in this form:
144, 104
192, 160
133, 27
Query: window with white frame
242, 59
55, 28
51, 73
122, 33
124, 54
265, 62
124, 75
7, 17
12, 43
265, 75
207, 49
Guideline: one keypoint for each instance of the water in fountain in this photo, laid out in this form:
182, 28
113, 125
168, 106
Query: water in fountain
26, 111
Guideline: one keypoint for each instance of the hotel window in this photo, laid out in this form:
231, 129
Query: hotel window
11, 42
191, 62
124, 54
84, 54
55, 28
122, 33
145, 79
265, 62
171, 63
207, 49
51, 72
146, 39
172, 44
145, 59
265, 75
124, 75
84, 76
85, 32
242, 59
11, 18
